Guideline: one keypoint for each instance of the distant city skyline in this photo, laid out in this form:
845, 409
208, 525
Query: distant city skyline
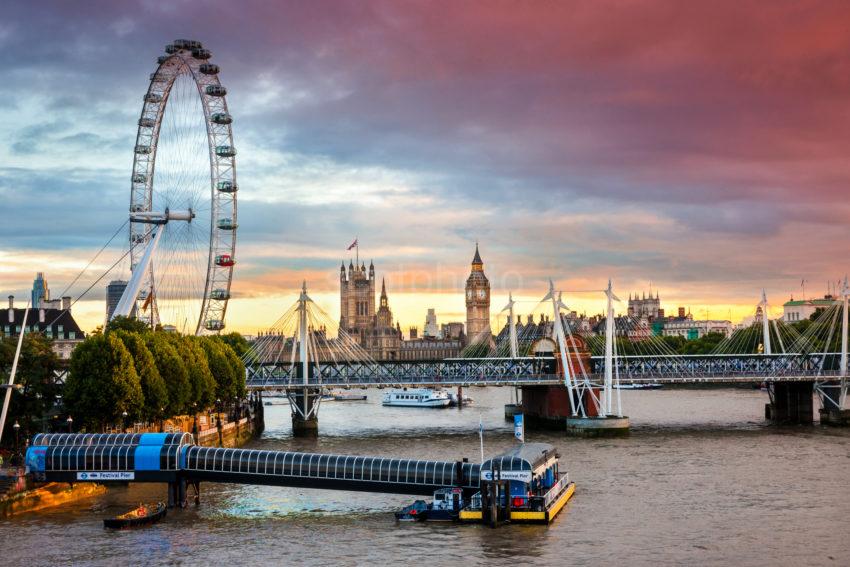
706, 157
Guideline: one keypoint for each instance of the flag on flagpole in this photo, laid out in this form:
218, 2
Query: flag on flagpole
353, 244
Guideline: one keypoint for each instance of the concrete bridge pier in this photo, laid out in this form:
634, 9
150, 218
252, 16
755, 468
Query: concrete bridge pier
831, 413
791, 403
305, 412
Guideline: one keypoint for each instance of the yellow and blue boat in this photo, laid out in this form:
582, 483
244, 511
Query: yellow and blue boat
522, 485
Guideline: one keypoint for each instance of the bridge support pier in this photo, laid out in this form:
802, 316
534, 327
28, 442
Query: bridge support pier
831, 413
177, 493
548, 407
305, 412
791, 403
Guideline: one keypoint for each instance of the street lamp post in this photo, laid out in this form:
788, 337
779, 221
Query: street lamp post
195, 419
123, 421
70, 422
218, 422
17, 428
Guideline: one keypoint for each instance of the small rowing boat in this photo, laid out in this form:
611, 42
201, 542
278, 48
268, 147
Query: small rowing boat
144, 515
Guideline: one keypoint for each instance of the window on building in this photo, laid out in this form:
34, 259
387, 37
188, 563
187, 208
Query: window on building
72, 334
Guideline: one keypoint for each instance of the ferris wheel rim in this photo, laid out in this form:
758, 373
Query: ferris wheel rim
188, 58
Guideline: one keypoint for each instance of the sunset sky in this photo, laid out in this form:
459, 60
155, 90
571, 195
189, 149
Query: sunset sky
700, 148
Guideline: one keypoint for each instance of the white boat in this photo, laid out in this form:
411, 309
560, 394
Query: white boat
347, 396
417, 398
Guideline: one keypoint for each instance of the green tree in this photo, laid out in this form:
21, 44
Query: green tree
237, 342
203, 385
153, 386
102, 383
227, 369
173, 371
130, 324
36, 376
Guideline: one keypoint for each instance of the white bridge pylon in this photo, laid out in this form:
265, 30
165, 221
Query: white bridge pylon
577, 380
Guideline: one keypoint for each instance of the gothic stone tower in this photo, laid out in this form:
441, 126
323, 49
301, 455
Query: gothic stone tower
477, 302
357, 300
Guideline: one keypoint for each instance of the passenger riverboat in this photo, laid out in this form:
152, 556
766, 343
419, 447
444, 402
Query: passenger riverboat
523, 485
417, 398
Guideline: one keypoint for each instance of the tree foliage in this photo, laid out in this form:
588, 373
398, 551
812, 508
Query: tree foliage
102, 382
129, 324
173, 371
36, 375
237, 342
201, 381
154, 389
226, 367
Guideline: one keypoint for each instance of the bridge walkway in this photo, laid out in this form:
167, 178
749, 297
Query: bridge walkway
162, 457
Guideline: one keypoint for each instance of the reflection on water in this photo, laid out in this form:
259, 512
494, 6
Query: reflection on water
701, 480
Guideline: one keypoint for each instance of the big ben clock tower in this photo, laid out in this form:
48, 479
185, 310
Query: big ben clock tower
477, 302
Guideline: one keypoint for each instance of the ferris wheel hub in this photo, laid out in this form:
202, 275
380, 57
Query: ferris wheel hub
157, 217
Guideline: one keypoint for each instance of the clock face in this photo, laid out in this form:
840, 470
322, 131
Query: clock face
469, 294
482, 294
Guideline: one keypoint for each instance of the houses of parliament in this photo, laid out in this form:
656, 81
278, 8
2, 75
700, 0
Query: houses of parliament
376, 332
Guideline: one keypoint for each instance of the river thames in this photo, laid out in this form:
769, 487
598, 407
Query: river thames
700, 480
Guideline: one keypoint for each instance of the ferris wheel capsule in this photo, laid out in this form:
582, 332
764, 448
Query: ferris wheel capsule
215, 90
222, 118
208, 69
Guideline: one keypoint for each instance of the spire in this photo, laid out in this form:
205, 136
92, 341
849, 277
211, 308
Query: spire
383, 288
477, 258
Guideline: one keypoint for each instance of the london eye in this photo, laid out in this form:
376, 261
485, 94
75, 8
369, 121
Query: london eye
182, 217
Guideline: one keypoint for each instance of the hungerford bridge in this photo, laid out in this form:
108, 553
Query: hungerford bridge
562, 387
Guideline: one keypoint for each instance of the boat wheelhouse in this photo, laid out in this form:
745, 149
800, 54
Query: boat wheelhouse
417, 398
524, 484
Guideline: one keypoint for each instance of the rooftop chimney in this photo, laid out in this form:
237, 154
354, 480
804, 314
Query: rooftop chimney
11, 302
41, 315
66, 303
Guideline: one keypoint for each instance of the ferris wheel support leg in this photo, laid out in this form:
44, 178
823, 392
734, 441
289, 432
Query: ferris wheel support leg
131, 292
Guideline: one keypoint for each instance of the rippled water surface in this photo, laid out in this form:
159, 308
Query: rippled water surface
701, 480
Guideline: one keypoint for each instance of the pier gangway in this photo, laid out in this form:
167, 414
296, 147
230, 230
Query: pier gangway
173, 458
